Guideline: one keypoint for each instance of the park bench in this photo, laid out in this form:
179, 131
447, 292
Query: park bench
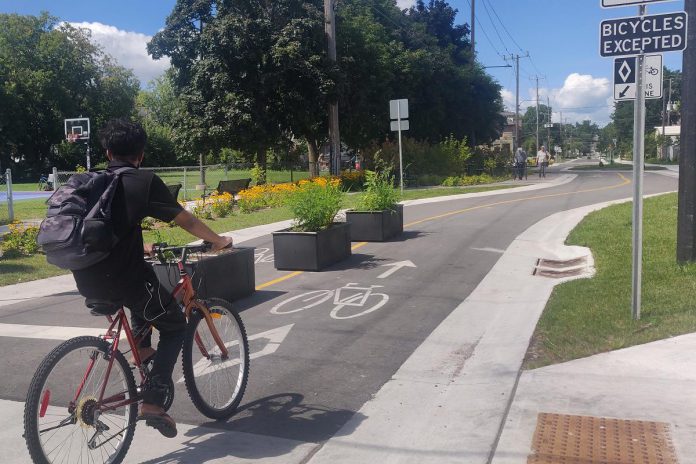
233, 187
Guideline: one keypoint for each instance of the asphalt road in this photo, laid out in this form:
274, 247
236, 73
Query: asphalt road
325, 369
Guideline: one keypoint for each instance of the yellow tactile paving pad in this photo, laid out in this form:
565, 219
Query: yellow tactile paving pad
566, 439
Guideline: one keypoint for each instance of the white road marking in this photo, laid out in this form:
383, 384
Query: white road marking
47, 332
492, 250
395, 267
274, 336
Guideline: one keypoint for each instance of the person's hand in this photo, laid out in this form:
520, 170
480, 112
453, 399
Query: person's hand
222, 243
148, 249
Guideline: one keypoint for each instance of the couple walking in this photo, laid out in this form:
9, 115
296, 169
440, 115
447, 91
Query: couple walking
542, 159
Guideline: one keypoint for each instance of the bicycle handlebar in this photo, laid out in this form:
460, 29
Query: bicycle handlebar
160, 248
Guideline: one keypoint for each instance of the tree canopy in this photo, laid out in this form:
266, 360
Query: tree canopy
254, 74
50, 71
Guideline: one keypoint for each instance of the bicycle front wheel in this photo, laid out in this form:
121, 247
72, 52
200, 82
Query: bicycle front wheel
216, 383
64, 418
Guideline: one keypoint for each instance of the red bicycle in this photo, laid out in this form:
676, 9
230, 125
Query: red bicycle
83, 399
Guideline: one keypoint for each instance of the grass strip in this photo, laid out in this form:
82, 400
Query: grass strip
24, 269
590, 316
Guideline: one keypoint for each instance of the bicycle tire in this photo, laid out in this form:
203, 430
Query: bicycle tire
224, 308
34, 397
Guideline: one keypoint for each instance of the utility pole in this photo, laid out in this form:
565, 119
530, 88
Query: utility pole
548, 125
537, 110
517, 97
686, 217
561, 134
664, 115
334, 136
473, 29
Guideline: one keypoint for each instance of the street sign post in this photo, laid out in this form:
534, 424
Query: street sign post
625, 77
635, 37
613, 3
643, 34
398, 109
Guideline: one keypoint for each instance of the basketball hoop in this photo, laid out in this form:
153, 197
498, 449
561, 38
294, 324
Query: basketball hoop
72, 137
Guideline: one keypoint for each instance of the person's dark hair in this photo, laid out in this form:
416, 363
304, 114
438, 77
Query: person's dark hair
123, 138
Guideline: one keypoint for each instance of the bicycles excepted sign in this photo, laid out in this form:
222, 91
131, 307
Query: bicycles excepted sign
643, 34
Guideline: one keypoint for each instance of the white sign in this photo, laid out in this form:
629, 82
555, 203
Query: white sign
398, 109
395, 125
613, 3
395, 267
625, 77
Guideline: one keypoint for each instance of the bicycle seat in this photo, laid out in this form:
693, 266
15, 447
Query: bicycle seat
102, 307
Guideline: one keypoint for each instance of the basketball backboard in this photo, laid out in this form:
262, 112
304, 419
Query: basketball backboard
77, 129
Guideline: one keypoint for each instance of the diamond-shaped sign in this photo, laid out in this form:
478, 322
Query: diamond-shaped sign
625, 71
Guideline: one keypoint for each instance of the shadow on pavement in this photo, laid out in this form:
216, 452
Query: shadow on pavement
357, 261
408, 235
282, 416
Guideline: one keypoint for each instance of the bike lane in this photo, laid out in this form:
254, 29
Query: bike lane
319, 370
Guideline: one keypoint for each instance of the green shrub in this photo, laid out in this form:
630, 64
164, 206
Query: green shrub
380, 193
315, 203
20, 241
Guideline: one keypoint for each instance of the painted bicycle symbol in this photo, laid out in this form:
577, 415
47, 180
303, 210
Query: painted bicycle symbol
262, 255
348, 296
653, 71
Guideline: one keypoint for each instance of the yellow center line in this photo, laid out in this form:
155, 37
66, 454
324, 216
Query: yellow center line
296, 273
625, 181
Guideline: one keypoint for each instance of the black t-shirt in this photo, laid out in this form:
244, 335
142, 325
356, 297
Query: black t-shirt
120, 277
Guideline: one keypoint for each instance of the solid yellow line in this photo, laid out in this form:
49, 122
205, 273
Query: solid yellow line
279, 279
460, 211
517, 200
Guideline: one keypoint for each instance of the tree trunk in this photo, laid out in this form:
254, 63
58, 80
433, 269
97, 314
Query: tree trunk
261, 164
313, 157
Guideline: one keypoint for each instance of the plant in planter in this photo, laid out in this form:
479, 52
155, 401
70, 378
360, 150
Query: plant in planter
315, 241
378, 216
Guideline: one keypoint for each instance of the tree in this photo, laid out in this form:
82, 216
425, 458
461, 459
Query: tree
50, 71
251, 73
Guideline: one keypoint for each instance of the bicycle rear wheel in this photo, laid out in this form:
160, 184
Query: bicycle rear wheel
61, 425
216, 385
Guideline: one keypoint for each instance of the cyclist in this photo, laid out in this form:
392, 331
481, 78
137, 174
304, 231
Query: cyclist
124, 278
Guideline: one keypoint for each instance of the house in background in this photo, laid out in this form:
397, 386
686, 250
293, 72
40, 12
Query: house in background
507, 137
671, 148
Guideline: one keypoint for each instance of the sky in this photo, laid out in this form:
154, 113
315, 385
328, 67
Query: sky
561, 37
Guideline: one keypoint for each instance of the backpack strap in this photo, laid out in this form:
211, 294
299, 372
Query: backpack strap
103, 205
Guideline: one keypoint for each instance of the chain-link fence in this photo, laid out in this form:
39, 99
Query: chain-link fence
194, 181
6, 201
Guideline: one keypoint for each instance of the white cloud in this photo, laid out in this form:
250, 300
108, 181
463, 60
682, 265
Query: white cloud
127, 48
403, 4
581, 97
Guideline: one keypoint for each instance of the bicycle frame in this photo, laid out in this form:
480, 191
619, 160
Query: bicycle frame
119, 323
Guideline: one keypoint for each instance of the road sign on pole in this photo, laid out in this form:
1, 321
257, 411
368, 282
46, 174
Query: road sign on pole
625, 77
643, 34
398, 109
613, 3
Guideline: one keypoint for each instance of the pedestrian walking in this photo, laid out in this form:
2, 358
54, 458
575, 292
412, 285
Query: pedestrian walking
520, 163
542, 161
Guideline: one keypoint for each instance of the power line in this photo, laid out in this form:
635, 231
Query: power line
485, 33
502, 24
495, 28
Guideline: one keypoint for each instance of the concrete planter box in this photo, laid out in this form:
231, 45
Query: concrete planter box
375, 226
311, 251
229, 275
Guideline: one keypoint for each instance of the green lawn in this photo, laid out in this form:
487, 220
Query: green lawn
589, 316
35, 267
661, 161
25, 210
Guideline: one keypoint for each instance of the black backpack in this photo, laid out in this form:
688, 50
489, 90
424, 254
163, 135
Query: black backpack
77, 231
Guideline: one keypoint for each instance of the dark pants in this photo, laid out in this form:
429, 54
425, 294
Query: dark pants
158, 308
